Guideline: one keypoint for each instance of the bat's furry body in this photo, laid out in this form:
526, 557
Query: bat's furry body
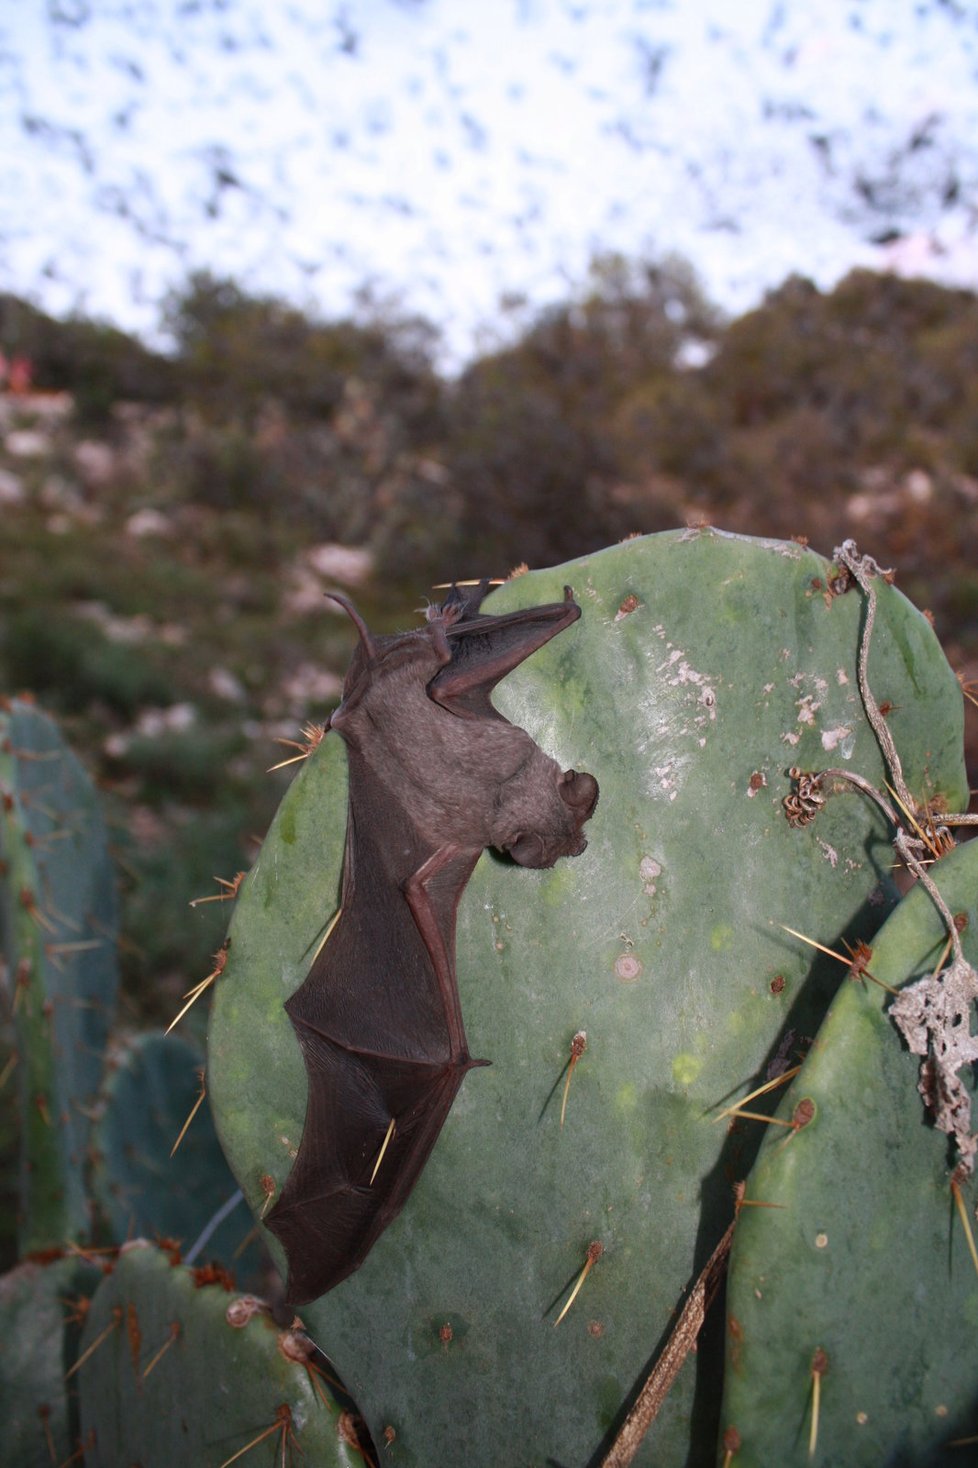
436, 775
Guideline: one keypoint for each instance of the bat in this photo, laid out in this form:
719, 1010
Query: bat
436, 774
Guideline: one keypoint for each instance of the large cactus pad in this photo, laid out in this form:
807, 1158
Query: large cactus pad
704, 665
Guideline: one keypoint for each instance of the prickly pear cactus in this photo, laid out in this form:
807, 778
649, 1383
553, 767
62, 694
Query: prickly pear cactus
42, 1306
703, 666
181, 1370
141, 1185
57, 923
859, 1263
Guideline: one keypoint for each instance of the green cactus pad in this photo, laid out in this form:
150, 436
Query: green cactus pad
41, 1308
152, 1085
58, 926
865, 1258
702, 667
187, 1372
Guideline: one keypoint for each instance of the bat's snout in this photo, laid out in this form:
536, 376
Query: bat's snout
560, 834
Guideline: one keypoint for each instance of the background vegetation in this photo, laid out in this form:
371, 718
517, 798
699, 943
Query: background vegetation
170, 520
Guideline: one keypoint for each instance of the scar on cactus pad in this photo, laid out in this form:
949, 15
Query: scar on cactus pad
436, 775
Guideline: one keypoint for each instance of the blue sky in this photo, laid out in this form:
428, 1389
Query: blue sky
448, 153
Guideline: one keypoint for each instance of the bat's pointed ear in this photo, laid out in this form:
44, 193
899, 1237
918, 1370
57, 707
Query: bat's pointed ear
366, 640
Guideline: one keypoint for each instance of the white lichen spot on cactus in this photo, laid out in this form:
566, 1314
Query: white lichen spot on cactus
681, 672
838, 738
686, 1068
821, 1241
841, 677
807, 707
829, 852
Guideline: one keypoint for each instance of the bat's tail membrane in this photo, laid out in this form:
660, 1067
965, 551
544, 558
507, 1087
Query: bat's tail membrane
348, 1183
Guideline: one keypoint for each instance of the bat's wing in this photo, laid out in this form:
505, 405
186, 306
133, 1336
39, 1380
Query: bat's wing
379, 986
347, 1185
485, 648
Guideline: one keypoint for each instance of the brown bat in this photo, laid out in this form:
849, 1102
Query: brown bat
435, 776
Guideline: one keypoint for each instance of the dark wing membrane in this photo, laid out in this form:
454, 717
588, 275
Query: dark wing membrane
485, 648
377, 1043
337, 1199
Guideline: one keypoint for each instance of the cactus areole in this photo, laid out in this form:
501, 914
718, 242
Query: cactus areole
436, 775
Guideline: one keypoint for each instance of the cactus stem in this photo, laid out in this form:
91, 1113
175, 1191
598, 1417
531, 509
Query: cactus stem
594, 1252
192, 995
193, 1112
577, 1049
282, 1424
958, 1196
383, 1149
230, 890
780, 1080
820, 1364
174, 1333
113, 1324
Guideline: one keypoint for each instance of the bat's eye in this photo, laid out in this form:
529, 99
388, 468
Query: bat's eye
579, 791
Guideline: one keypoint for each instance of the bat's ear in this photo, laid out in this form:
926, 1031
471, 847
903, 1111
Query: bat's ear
366, 641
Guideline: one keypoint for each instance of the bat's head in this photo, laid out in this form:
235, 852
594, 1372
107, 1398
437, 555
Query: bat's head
560, 833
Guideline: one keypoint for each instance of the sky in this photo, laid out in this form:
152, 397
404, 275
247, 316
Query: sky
450, 155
